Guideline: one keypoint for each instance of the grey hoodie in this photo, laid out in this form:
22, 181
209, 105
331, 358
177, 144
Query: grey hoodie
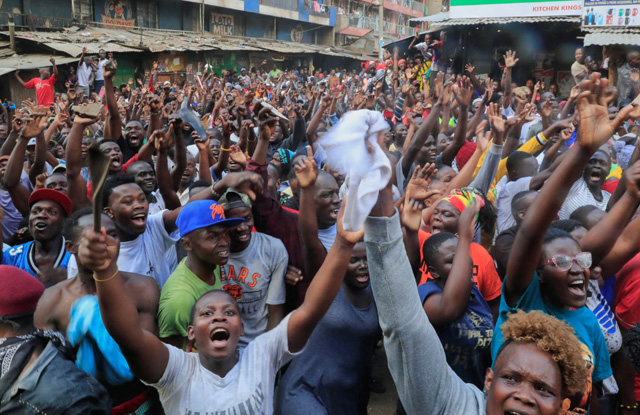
426, 384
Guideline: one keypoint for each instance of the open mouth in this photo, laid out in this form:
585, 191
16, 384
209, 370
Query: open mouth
220, 336
577, 287
514, 413
134, 139
139, 219
223, 253
243, 237
115, 160
595, 175
334, 213
40, 226
362, 278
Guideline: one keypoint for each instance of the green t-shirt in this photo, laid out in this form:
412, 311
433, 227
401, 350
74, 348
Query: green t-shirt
179, 294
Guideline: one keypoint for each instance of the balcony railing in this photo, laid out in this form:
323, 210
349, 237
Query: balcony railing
281, 4
373, 23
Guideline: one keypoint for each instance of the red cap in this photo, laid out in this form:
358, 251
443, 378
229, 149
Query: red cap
19, 292
55, 195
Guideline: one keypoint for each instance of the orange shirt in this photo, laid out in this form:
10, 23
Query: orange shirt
485, 275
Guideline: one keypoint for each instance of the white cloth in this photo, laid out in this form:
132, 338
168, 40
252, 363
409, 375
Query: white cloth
99, 72
83, 73
186, 387
347, 153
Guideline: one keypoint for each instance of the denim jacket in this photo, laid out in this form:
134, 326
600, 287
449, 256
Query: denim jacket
53, 385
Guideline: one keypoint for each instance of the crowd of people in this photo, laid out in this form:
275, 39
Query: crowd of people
262, 230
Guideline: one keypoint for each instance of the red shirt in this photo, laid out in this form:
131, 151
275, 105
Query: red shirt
44, 89
626, 302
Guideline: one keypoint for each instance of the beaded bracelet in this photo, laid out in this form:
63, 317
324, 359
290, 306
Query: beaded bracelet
623, 406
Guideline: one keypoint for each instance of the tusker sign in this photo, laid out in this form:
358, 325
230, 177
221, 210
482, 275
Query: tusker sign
222, 24
461, 9
611, 13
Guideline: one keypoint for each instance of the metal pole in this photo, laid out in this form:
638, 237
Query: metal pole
202, 16
73, 9
12, 33
381, 24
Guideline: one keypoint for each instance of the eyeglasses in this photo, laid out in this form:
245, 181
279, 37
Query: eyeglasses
564, 262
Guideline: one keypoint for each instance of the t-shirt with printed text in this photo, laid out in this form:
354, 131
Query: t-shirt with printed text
255, 277
44, 89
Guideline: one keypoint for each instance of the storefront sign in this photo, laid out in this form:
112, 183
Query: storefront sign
118, 13
222, 24
611, 13
461, 9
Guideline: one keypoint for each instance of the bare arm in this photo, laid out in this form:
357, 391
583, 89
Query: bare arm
115, 123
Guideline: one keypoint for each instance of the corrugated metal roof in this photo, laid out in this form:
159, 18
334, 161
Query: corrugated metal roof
434, 18
609, 37
73, 40
12, 63
499, 20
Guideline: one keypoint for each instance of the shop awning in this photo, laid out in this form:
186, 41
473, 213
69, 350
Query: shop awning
612, 37
496, 20
354, 31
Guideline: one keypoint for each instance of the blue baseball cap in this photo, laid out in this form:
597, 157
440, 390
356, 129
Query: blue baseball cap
202, 213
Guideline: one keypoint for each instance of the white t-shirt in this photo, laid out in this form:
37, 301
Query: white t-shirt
259, 270
83, 74
99, 73
503, 202
579, 195
153, 253
186, 387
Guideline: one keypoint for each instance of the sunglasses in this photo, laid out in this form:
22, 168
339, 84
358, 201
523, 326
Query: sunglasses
564, 262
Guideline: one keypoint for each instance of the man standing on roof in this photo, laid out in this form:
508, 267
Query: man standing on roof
43, 85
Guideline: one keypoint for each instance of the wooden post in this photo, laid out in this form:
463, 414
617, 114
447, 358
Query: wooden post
12, 32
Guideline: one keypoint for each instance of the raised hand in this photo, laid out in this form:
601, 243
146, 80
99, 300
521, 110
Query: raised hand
236, 154
510, 59
469, 68
415, 195
203, 145
40, 179
36, 124
575, 91
438, 84
595, 128
467, 221
306, 170
463, 91
546, 109
52, 60
482, 139
97, 250
246, 182
109, 69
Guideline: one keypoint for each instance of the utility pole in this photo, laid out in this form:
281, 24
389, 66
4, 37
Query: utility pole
381, 24
12, 32
202, 17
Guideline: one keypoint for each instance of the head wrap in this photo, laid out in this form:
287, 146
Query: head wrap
461, 198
